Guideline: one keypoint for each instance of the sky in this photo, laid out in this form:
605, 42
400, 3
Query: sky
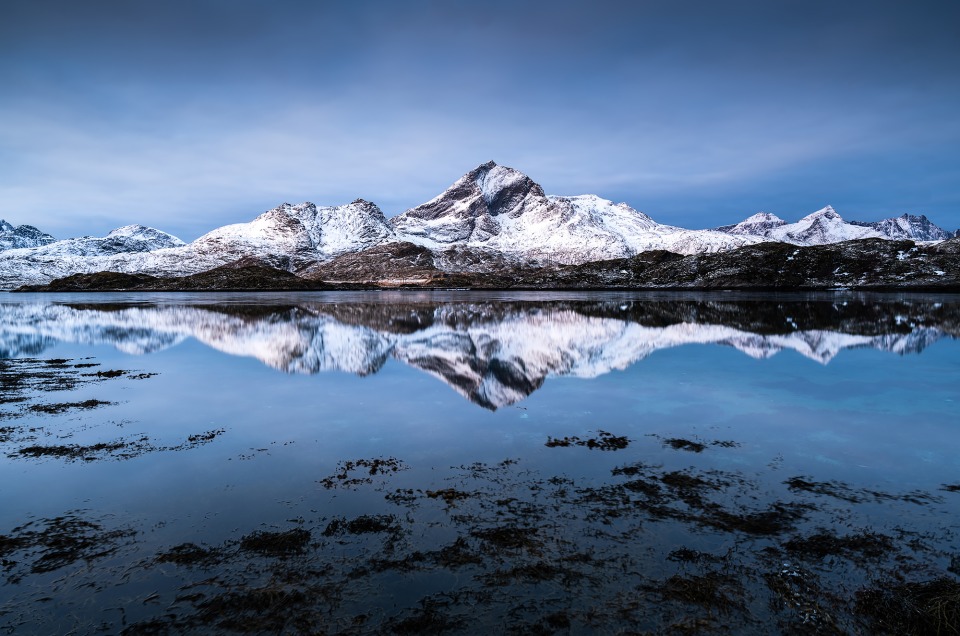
188, 115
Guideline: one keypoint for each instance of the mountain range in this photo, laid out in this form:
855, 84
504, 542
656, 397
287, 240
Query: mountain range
492, 353
491, 218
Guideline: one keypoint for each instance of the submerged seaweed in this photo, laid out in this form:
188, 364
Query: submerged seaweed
665, 542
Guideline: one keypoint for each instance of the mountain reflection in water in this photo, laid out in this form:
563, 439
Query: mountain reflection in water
494, 353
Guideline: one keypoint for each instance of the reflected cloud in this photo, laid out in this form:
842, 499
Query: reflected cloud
492, 353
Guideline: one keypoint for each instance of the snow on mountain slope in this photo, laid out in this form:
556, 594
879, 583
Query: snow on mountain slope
758, 225
129, 238
305, 233
140, 238
288, 237
908, 226
496, 208
643, 234
132, 248
822, 227
12, 238
826, 226
501, 209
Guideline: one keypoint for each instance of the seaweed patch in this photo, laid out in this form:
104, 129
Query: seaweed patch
604, 441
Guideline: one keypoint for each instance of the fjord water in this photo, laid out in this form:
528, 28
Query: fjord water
462, 461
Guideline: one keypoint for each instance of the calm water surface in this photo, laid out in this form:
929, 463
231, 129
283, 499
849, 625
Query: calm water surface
470, 462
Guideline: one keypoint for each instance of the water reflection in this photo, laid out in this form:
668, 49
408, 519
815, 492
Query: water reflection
493, 353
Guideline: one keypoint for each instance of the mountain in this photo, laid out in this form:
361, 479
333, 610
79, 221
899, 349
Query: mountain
826, 226
126, 239
132, 248
23, 236
287, 237
302, 233
494, 220
819, 228
499, 209
757, 225
909, 226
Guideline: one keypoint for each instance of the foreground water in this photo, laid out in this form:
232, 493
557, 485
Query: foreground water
464, 462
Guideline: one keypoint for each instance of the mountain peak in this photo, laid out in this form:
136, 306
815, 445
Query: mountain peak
144, 238
766, 217
826, 212
473, 203
498, 185
502, 187
22, 236
758, 225
909, 226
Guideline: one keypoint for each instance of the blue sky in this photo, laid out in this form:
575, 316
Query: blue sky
190, 115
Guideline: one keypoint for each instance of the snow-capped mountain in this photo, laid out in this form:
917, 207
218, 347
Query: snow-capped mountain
826, 226
490, 217
757, 225
909, 226
287, 237
303, 233
493, 354
12, 238
502, 210
822, 227
128, 248
126, 239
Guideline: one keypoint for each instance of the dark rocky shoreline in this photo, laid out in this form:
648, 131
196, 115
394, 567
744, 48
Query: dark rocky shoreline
868, 264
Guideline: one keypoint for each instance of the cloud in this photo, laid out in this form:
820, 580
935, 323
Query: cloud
191, 116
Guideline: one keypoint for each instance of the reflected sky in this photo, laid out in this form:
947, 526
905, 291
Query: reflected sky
204, 419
